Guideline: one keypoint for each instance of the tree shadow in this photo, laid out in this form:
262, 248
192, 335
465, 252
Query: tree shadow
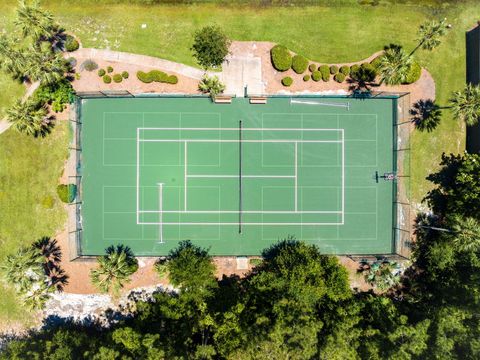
426, 115
52, 255
47, 127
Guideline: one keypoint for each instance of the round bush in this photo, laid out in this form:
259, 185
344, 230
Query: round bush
376, 62
107, 79
354, 68
369, 67
144, 77
306, 77
414, 73
117, 78
299, 64
287, 81
281, 58
333, 69
312, 67
71, 44
345, 70
125, 74
339, 77
109, 69
67, 193
172, 79
101, 72
325, 71
89, 65
316, 75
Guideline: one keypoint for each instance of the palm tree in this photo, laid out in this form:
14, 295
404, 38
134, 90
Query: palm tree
52, 256
426, 115
114, 269
211, 85
23, 269
27, 117
395, 65
467, 233
465, 104
430, 34
45, 67
34, 21
12, 60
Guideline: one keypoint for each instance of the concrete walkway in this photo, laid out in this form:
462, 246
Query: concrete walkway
241, 72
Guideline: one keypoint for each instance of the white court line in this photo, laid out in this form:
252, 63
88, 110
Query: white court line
185, 177
236, 211
138, 175
244, 176
243, 141
160, 212
343, 176
236, 224
296, 177
236, 129
347, 105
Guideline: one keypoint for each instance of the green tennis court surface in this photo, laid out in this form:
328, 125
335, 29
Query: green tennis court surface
237, 177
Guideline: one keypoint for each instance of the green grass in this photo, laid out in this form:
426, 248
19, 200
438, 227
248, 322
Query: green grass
326, 34
10, 90
29, 172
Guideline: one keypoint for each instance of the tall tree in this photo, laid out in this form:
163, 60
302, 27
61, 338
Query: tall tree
33, 21
465, 104
210, 46
27, 117
430, 34
395, 65
114, 269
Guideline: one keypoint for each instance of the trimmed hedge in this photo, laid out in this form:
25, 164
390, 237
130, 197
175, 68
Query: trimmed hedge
101, 72
316, 75
306, 77
117, 78
325, 71
109, 69
299, 64
333, 69
107, 79
281, 58
414, 73
376, 62
339, 77
125, 74
67, 193
287, 81
157, 76
312, 67
345, 70
71, 44
354, 68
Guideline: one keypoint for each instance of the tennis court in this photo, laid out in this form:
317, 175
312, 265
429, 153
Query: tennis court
237, 177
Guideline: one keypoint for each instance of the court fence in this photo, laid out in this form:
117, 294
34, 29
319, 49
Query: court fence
402, 126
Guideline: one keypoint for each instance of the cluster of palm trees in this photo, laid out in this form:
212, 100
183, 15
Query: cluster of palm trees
36, 58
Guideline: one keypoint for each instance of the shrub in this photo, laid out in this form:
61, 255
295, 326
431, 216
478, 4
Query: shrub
71, 62
71, 44
333, 69
67, 193
101, 72
312, 67
339, 77
107, 79
306, 77
414, 73
77, 76
345, 70
353, 69
125, 74
109, 69
287, 81
210, 46
325, 71
376, 63
364, 73
89, 65
58, 94
316, 75
299, 64
255, 262
281, 58
144, 77
172, 79
157, 76
161, 267
211, 85
117, 78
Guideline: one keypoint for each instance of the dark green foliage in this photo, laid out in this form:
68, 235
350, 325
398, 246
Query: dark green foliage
426, 115
376, 63
414, 73
117, 78
101, 72
281, 58
89, 65
316, 75
57, 94
333, 69
210, 46
306, 77
67, 193
354, 68
312, 67
339, 77
325, 71
71, 44
109, 69
299, 64
345, 70
107, 79
287, 81
125, 74
157, 76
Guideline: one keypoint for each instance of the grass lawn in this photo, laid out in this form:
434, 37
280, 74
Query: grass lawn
324, 34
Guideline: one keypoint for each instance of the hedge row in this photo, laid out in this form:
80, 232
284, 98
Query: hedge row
157, 76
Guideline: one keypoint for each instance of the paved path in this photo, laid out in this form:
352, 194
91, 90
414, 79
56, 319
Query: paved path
242, 72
